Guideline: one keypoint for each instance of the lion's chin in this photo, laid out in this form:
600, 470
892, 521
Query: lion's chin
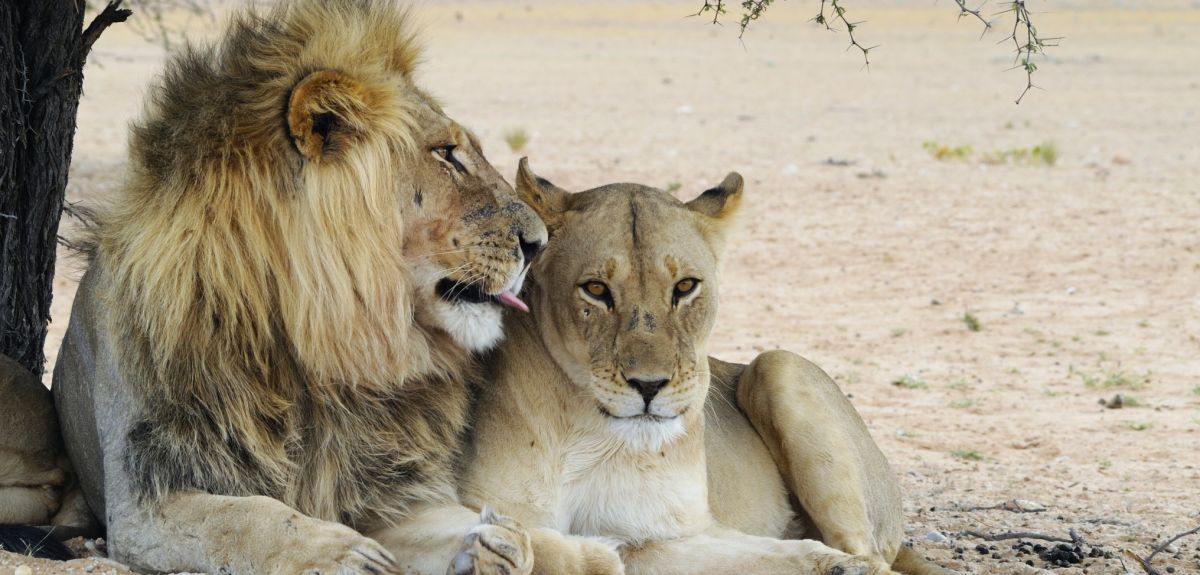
476, 327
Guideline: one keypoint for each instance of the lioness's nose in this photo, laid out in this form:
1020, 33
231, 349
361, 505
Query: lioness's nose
648, 388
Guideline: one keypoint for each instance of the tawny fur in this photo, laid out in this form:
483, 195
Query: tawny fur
265, 281
562, 441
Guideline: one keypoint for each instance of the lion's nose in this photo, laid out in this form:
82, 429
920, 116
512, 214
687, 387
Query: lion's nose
530, 248
648, 388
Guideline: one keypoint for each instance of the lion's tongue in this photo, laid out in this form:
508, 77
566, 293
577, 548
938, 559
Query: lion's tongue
510, 299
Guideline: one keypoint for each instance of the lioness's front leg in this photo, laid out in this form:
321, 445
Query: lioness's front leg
558, 554
487, 543
454, 540
721, 551
245, 535
826, 456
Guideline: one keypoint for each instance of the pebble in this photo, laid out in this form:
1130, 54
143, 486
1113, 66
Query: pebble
935, 537
23, 570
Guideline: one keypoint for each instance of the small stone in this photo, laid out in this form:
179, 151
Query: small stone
23, 570
935, 537
1024, 505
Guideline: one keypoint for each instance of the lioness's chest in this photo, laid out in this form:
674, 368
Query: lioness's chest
630, 497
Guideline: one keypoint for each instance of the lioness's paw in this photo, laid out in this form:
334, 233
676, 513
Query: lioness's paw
842, 564
334, 549
497, 546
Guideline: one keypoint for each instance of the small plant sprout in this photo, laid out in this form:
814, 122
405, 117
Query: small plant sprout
516, 139
971, 322
968, 454
964, 403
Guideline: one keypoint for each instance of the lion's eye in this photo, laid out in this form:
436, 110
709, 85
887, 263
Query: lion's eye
446, 154
598, 291
684, 288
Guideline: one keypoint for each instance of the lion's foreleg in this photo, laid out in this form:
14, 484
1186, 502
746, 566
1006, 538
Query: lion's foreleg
247, 535
721, 551
826, 455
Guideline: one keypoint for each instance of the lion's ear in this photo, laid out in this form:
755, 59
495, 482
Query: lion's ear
326, 111
721, 202
546, 199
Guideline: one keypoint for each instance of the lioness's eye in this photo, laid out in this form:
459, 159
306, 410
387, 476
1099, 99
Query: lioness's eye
446, 154
684, 288
597, 291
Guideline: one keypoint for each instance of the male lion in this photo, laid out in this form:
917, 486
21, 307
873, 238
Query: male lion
593, 421
269, 350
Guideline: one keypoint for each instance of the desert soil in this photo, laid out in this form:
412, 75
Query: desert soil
863, 251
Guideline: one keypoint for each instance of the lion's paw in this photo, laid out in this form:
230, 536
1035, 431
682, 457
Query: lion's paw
334, 549
499, 545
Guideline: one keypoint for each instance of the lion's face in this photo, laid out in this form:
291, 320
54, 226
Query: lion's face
626, 295
465, 239
297, 201
468, 238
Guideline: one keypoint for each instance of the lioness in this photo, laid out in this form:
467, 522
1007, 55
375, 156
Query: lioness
268, 354
593, 419
32, 464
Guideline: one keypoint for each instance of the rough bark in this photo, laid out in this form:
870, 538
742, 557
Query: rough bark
42, 51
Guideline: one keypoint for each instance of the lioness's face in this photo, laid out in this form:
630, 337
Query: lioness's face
626, 297
469, 238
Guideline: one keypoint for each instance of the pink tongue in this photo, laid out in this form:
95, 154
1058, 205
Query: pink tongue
511, 300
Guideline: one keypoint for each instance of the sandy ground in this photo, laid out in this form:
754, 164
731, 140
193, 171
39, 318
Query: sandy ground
864, 252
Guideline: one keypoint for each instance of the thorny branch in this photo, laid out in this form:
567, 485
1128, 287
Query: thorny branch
839, 13
1027, 42
1024, 34
1145, 563
1017, 535
964, 11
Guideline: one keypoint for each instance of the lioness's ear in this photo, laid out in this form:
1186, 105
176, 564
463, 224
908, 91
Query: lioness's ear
326, 111
721, 202
546, 199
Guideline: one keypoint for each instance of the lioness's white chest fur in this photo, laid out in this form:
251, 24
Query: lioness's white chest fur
609, 489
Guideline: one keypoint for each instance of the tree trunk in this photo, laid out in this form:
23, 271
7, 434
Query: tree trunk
42, 51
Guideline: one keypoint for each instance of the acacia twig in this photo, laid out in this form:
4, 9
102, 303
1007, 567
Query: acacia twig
1024, 35
839, 13
1017, 535
1160, 548
964, 11
1027, 41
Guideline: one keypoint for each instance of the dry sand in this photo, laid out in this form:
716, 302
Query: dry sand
861, 250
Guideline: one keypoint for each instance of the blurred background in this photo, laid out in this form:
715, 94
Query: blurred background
982, 278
